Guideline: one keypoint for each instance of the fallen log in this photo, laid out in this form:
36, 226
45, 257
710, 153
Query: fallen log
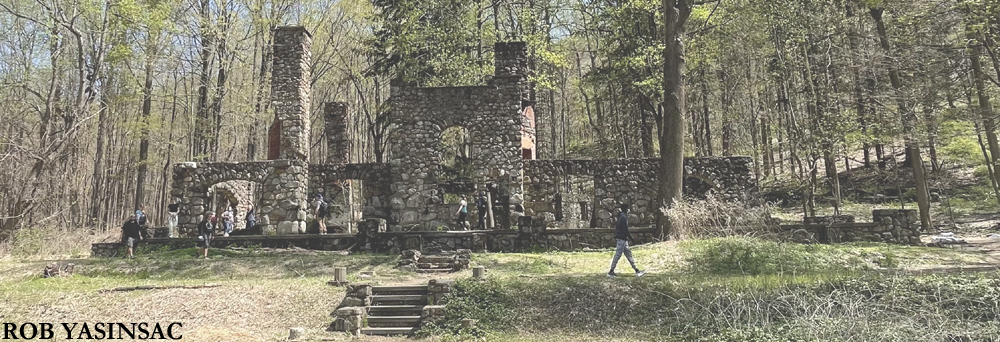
157, 287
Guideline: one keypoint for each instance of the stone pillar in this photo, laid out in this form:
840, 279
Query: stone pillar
338, 143
437, 290
897, 225
285, 198
291, 90
192, 198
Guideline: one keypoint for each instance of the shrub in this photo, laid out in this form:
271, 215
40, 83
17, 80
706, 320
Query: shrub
713, 217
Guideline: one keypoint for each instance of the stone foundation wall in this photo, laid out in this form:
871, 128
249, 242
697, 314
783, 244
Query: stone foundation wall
330, 242
888, 226
632, 181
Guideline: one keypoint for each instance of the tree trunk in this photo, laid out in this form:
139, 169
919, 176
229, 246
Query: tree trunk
671, 177
147, 99
986, 111
909, 121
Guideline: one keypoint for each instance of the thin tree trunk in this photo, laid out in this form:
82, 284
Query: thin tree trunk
909, 121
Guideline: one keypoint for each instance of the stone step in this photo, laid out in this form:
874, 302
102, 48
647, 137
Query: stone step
388, 331
395, 310
437, 258
399, 299
393, 321
426, 265
434, 270
399, 290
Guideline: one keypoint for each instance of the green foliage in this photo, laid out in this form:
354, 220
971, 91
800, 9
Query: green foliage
748, 256
490, 302
958, 142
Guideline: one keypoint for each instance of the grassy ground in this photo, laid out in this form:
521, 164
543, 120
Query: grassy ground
713, 290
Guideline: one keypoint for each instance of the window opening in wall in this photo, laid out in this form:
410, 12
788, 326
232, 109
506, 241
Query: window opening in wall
346, 204
456, 156
573, 201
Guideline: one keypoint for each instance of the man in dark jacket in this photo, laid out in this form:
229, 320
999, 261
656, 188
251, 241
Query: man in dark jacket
623, 236
131, 235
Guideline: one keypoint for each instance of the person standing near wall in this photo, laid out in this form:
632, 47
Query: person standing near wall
463, 213
205, 231
251, 217
322, 211
481, 209
172, 210
227, 221
622, 237
131, 236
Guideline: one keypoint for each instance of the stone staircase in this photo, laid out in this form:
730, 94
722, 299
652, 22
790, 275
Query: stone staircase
444, 262
389, 310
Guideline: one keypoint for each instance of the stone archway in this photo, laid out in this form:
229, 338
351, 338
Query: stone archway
283, 202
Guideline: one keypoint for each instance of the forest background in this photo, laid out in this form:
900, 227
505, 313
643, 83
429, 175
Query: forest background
99, 98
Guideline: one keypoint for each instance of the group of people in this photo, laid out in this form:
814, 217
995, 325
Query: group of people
482, 207
135, 229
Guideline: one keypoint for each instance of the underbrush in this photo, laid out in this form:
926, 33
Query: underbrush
747, 256
46, 242
866, 307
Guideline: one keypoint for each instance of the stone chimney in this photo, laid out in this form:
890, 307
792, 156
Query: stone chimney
510, 59
338, 143
290, 90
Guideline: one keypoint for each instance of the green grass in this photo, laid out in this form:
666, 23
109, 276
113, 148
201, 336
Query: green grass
732, 289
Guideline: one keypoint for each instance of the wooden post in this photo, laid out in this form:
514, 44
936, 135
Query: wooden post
339, 276
479, 272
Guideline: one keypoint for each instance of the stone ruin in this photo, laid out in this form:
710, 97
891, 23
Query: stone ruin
412, 192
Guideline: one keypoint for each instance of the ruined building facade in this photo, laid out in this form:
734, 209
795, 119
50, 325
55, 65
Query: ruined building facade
412, 191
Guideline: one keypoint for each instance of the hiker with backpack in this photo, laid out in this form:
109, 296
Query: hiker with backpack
622, 237
131, 236
322, 211
140, 218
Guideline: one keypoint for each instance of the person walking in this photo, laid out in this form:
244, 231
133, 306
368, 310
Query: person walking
322, 211
251, 217
172, 210
205, 231
463, 213
131, 236
622, 237
481, 209
227, 221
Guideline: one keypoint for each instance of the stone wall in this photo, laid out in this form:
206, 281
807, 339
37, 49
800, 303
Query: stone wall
330, 242
525, 238
895, 226
632, 181
492, 115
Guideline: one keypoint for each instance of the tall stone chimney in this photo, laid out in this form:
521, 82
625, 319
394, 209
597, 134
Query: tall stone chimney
290, 90
338, 143
510, 59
